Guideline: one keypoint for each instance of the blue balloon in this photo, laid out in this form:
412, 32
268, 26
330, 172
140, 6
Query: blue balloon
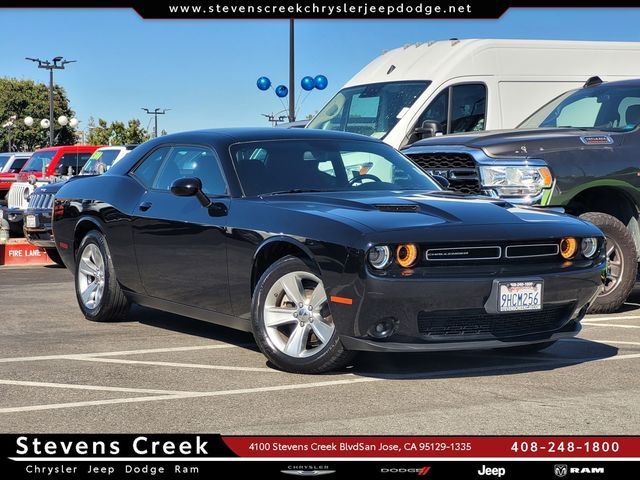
320, 82
263, 83
282, 91
307, 83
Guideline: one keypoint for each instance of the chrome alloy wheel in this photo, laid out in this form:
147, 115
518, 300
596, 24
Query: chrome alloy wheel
615, 266
91, 276
296, 315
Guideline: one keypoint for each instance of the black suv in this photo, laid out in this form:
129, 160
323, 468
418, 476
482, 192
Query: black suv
579, 152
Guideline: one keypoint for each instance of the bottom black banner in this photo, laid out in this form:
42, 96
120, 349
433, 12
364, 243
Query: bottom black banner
366, 469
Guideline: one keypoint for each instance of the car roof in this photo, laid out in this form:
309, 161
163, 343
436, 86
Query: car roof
237, 135
633, 82
74, 148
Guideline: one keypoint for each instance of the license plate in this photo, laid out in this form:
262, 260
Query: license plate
520, 296
31, 221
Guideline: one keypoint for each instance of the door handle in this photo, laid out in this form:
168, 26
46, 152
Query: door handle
144, 206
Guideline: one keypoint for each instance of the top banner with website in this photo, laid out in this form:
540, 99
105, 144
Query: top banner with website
313, 9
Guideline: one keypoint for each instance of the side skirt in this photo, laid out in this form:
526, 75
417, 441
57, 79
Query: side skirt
191, 312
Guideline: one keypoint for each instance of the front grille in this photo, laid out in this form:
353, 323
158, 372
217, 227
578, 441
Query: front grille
15, 198
41, 201
478, 324
459, 168
463, 253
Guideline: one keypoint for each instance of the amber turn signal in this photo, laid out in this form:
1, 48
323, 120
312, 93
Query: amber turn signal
406, 255
568, 247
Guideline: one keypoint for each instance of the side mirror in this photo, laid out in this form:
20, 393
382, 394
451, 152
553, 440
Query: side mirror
443, 182
190, 187
429, 128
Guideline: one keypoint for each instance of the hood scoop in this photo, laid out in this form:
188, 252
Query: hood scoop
397, 207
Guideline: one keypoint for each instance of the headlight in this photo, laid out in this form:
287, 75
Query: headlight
589, 247
379, 257
515, 181
568, 247
26, 194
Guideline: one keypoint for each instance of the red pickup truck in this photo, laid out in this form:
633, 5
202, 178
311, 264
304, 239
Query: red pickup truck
57, 161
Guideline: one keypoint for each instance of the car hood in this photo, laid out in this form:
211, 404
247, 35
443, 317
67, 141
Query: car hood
393, 211
523, 142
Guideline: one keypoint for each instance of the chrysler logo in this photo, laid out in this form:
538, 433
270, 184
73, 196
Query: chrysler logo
307, 473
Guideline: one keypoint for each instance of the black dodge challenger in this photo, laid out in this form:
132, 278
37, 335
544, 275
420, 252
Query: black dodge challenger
321, 244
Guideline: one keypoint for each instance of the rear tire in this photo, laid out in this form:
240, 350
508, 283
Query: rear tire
97, 289
622, 263
55, 257
296, 334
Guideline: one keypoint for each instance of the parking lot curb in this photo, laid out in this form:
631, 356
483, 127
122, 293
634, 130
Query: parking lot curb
20, 252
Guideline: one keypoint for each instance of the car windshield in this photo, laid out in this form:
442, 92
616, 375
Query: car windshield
39, 161
99, 162
371, 110
283, 166
604, 107
3, 161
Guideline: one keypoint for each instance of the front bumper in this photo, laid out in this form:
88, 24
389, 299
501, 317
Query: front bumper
458, 312
40, 234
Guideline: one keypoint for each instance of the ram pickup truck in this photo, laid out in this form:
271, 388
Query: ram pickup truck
580, 152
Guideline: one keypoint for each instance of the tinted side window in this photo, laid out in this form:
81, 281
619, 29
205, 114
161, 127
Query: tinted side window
468, 108
74, 160
147, 171
188, 161
464, 113
17, 165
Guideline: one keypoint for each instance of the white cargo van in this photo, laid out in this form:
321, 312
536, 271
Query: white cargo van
457, 86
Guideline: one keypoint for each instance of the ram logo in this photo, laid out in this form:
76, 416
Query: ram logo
560, 470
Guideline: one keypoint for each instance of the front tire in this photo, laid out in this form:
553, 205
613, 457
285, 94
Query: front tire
622, 263
292, 322
97, 289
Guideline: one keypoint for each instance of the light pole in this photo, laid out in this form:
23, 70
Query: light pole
57, 63
292, 88
9, 125
155, 113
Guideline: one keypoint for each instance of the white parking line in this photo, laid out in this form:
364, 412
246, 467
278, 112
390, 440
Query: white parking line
184, 395
74, 386
174, 364
75, 356
379, 376
611, 317
615, 341
617, 325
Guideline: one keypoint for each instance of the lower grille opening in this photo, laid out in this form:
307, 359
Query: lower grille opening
477, 324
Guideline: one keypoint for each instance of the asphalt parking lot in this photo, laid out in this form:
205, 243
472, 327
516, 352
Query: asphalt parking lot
165, 373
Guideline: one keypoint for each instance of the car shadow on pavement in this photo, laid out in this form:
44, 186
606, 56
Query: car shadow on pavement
190, 326
406, 366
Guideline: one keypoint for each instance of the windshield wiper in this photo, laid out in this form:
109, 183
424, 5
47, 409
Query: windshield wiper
298, 190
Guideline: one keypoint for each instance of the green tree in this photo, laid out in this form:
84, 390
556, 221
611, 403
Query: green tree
135, 133
98, 134
116, 133
26, 98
